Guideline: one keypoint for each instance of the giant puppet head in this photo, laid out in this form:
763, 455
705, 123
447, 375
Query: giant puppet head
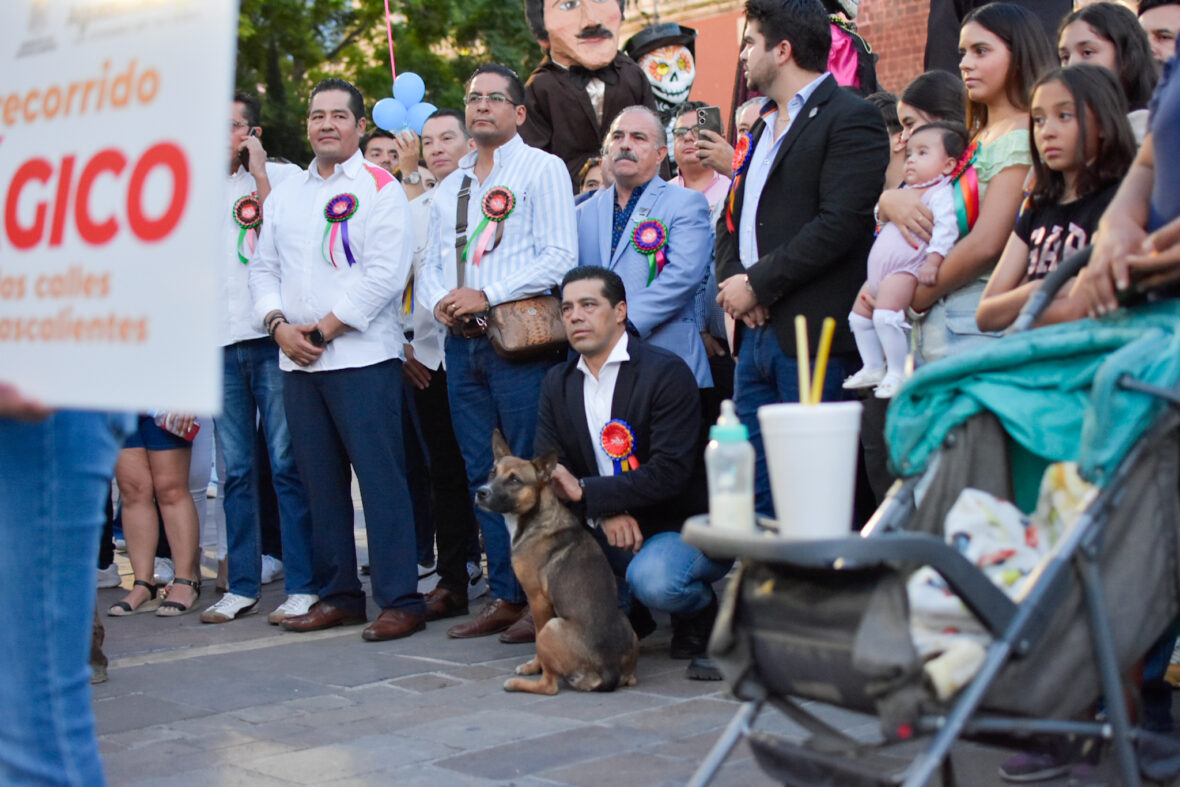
577, 32
665, 52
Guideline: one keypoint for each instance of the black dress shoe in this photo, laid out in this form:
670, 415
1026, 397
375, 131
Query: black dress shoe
703, 668
690, 634
641, 619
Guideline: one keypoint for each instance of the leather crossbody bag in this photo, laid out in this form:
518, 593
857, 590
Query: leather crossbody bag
519, 330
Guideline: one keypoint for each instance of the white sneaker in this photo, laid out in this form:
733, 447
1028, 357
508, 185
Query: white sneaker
109, 577
477, 585
272, 569
889, 387
297, 604
865, 378
165, 572
229, 607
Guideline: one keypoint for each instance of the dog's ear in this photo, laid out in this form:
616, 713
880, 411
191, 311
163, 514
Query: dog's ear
544, 466
500, 447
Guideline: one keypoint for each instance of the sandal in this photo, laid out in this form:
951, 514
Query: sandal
121, 608
172, 609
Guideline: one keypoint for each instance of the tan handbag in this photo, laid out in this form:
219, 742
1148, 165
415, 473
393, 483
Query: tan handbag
526, 329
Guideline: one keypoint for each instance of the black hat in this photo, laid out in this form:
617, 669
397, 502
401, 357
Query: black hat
656, 36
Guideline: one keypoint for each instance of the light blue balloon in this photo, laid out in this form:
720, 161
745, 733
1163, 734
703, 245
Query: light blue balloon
409, 88
417, 114
390, 114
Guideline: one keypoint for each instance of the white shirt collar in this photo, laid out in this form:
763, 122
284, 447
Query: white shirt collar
350, 167
507, 149
618, 355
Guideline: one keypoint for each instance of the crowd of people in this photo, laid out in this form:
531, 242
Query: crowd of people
364, 301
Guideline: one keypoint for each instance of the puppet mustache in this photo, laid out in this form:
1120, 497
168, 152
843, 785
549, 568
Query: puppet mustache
626, 155
597, 31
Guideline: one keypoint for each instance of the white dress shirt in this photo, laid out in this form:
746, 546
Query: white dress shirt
289, 270
758, 171
597, 394
539, 243
237, 323
429, 333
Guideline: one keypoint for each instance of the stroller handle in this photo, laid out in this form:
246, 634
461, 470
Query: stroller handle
1040, 300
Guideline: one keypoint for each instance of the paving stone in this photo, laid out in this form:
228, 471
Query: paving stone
598, 706
217, 776
477, 671
623, 769
682, 719
483, 728
134, 711
322, 703
342, 760
545, 752
429, 682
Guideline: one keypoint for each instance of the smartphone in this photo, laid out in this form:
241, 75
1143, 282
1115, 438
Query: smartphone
710, 118
244, 154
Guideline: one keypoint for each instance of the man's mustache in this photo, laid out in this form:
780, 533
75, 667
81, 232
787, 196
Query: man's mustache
626, 155
596, 31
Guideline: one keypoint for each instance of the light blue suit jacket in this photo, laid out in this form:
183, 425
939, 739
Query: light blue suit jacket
663, 313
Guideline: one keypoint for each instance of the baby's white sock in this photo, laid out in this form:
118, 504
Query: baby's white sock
867, 343
891, 333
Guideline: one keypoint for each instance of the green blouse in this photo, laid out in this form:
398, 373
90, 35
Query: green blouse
1010, 150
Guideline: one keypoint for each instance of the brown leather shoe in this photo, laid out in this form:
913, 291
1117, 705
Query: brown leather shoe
493, 618
523, 630
323, 615
442, 603
393, 624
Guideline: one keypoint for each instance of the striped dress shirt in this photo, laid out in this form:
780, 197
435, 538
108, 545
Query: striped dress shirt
539, 242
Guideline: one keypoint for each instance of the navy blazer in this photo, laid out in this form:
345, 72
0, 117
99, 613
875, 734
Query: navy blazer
655, 395
664, 312
815, 216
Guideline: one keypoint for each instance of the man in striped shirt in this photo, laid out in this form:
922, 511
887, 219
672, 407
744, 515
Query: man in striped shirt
474, 263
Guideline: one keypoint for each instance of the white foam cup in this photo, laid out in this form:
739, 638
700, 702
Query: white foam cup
811, 458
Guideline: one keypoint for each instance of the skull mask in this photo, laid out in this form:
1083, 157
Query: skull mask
671, 71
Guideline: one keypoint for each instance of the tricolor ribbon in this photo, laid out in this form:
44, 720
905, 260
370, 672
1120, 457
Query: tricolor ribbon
966, 190
741, 160
649, 239
247, 213
338, 211
618, 441
497, 205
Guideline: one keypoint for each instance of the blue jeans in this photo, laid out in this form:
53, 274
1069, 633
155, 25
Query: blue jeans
253, 389
766, 375
54, 479
350, 419
666, 574
487, 392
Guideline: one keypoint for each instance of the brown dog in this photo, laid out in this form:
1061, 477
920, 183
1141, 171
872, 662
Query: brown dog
582, 635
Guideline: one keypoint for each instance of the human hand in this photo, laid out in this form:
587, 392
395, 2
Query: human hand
565, 486
294, 342
253, 146
714, 152
1107, 272
928, 274
904, 207
409, 150
330, 326
735, 296
1158, 261
18, 407
713, 348
461, 302
622, 531
414, 369
756, 317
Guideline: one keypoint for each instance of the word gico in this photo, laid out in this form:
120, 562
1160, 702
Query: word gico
63, 189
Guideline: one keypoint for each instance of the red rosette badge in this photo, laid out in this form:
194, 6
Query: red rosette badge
247, 214
618, 441
741, 155
649, 239
338, 211
497, 205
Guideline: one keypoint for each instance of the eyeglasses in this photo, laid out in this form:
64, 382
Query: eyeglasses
234, 125
494, 99
680, 132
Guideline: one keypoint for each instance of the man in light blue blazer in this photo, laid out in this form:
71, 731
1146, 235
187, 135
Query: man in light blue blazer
654, 234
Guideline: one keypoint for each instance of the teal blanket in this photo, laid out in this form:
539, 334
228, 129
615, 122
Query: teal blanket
1054, 389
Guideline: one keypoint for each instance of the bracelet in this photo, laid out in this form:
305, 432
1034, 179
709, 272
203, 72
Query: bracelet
274, 324
274, 316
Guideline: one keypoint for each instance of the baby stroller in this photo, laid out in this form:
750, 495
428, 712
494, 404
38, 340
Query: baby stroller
829, 620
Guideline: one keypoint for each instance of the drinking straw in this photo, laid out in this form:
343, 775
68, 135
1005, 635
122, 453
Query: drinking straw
821, 359
803, 359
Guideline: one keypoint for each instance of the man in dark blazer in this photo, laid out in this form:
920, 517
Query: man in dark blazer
795, 236
624, 418
583, 82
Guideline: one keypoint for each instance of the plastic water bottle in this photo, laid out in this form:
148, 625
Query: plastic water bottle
729, 462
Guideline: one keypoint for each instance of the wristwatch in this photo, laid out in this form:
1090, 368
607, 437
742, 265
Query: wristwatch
413, 178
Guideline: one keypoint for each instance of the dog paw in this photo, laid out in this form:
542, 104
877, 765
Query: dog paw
529, 668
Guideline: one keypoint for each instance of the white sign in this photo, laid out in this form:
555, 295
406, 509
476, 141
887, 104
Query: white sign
113, 129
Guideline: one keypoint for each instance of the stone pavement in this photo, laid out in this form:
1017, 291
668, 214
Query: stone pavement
246, 703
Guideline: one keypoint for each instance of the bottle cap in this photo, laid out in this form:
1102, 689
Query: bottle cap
728, 428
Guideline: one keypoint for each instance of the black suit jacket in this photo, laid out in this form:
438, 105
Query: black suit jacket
561, 119
815, 216
656, 394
